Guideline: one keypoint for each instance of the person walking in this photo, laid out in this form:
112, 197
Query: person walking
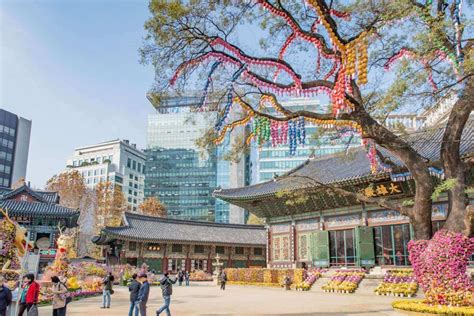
5, 297
180, 277
12, 308
166, 289
107, 290
143, 294
287, 282
29, 295
223, 280
133, 288
59, 291
186, 277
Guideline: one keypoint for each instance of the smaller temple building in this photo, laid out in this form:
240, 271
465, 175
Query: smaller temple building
170, 244
40, 213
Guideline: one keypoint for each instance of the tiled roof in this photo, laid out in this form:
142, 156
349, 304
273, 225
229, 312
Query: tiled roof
154, 229
338, 168
27, 189
24, 208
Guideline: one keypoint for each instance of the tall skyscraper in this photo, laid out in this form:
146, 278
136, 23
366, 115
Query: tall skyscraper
14, 146
117, 161
177, 173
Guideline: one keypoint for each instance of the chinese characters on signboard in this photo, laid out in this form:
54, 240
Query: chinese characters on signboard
383, 189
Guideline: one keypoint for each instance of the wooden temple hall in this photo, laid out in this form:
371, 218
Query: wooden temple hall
171, 244
309, 225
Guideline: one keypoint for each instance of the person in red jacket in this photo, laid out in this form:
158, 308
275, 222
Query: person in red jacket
29, 294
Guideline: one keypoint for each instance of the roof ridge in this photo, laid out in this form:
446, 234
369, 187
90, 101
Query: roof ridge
191, 222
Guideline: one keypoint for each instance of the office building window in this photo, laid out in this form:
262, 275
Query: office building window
129, 163
134, 165
139, 167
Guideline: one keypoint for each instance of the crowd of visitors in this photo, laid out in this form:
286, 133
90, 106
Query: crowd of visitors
27, 295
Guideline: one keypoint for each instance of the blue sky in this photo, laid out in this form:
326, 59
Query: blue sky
72, 67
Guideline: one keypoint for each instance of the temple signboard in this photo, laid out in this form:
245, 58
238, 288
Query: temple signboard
383, 189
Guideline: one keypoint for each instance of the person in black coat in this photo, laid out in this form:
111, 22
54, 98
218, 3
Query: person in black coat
5, 297
143, 294
134, 288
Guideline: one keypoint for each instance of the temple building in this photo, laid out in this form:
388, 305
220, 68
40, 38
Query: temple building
310, 225
40, 213
166, 244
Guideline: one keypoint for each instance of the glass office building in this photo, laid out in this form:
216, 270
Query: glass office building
177, 173
14, 146
183, 181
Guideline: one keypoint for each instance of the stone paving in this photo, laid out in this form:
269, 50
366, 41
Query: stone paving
206, 299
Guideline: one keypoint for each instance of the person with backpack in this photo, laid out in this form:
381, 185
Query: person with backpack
59, 291
107, 290
166, 289
29, 295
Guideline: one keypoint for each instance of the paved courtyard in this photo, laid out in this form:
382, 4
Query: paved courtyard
207, 299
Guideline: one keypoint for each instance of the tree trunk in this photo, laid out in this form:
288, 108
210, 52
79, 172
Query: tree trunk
454, 167
420, 213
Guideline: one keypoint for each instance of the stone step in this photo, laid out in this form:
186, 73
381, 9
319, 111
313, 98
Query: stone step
368, 285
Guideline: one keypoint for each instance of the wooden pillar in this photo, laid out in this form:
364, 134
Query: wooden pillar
209, 261
187, 263
269, 246
293, 249
165, 259
249, 254
229, 259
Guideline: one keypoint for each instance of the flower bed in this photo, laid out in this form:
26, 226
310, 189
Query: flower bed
398, 282
421, 307
46, 297
200, 275
344, 281
264, 277
312, 275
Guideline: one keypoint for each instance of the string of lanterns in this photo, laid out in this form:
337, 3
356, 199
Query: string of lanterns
204, 96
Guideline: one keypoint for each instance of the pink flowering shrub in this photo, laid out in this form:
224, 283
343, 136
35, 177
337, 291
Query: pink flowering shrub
440, 267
